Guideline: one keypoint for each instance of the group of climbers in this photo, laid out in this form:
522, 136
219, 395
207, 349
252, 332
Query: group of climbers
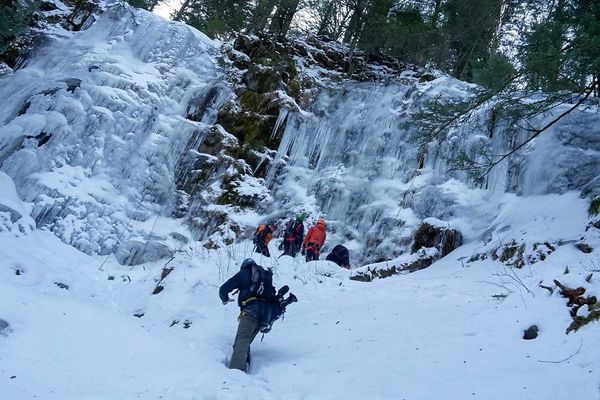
295, 241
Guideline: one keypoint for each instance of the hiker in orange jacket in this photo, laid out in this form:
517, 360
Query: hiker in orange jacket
314, 240
262, 237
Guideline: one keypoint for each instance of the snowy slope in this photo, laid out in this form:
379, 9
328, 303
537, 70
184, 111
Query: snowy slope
437, 333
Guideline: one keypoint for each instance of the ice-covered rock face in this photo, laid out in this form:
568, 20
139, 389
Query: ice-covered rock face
354, 159
109, 134
92, 128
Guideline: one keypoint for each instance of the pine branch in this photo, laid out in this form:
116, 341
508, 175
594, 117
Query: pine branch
589, 91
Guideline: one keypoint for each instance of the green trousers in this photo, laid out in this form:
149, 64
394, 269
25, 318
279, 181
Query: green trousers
247, 330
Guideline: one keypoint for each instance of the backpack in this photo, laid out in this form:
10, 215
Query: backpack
259, 234
262, 283
293, 230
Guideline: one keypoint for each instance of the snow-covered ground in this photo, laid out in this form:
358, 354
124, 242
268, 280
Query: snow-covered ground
436, 333
90, 142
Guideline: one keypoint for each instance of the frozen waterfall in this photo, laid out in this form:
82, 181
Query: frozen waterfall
94, 124
352, 157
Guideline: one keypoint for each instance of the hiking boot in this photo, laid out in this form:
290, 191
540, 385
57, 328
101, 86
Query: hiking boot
283, 290
291, 299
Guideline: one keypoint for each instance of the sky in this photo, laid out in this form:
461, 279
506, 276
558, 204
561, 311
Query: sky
165, 9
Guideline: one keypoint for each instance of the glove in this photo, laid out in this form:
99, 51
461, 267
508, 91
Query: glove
227, 301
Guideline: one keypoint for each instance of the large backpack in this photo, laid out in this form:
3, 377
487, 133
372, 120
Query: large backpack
262, 283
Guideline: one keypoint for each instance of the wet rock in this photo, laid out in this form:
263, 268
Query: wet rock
47, 6
81, 16
530, 333
136, 252
42, 138
4, 327
584, 247
240, 60
72, 84
202, 102
262, 80
62, 285
218, 141
246, 44
443, 238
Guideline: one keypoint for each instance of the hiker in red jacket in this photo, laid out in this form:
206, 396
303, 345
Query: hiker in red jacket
314, 240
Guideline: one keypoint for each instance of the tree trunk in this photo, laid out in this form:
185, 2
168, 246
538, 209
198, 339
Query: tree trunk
261, 14
326, 20
179, 14
436, 13
280, 24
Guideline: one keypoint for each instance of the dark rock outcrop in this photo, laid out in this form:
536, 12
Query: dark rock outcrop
444, 239
531, 332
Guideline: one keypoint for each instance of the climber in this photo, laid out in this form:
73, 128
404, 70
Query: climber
314, 240
340, 256
259, 306
292, 237
262, 237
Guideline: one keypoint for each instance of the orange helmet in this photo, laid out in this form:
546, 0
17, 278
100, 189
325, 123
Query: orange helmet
321, 221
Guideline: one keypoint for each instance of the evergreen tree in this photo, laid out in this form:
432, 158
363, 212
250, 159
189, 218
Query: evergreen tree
145, 4
468, 34
330, 17
282, 19
216, 18
261, 15
561, 51
560, 57
14, 18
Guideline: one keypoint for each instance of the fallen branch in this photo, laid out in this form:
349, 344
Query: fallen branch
548, 288
565, 359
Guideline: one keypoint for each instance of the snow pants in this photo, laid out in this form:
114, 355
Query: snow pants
263, 249
248, 328
291, 247
311, 254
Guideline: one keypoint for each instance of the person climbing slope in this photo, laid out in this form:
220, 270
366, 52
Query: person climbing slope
259, 306
314, 240
293, 235
262, 237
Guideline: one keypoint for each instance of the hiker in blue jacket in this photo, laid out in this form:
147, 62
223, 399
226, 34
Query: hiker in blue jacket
260, 306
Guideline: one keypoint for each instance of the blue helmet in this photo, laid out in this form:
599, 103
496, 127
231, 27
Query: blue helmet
247, 262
